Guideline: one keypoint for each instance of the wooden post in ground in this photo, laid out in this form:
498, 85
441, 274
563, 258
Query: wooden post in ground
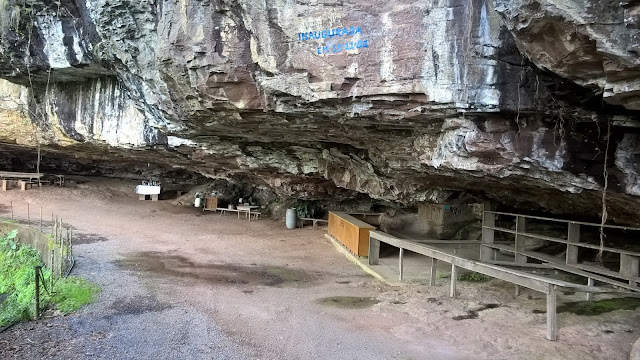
589, 294
11, 209
37, 288
374, 251
432, 272
517, 290
23, 185
520, 228
40, 218
629, 267
488, 223
454, 278
551, 314
28, 216
400, 263
573, 236
3, 184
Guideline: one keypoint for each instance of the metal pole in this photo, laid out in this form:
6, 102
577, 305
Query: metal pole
37, 271
28, 216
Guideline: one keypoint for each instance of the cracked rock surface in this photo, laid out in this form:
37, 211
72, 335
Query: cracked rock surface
511, 100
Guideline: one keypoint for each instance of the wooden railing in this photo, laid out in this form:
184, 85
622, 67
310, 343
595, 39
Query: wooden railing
543, 284
626, 277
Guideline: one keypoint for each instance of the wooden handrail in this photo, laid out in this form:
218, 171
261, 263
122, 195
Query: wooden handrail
563, 241
562, 220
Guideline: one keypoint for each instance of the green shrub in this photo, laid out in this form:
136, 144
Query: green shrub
17, 284
474, 277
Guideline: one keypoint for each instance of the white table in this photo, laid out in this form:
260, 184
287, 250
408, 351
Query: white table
144, 190
247, 209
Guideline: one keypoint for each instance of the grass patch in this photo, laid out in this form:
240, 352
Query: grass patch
591, 308
474, 277
17, 284
73, 292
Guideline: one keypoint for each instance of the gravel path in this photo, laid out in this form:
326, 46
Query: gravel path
180, 284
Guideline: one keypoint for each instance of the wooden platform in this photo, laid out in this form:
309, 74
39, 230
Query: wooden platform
545, 285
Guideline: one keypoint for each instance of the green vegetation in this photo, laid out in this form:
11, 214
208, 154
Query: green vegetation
17, 284
473, 277
73, 292
590, 308
305, 209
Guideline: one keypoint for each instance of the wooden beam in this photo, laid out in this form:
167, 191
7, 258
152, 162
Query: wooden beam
573, 236
563, 241
454, 278
525, 265
529, 281
400, 263
562, 220
432, 272
374, 251
520, 239
551, 314
488, 223
554, 262
629, 266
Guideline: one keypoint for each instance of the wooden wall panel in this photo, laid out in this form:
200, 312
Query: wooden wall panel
351, 232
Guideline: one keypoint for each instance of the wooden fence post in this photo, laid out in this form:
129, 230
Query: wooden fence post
454, 278
432, 272
37, 289
551, 314
401, 263
488, 223
520, 245
374, 250
573, 236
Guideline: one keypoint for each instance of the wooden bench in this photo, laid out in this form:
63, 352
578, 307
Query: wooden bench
315, 222
23, 184
59, 180
254, 214
23, 179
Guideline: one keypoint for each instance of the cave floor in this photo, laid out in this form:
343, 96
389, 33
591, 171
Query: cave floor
179, 283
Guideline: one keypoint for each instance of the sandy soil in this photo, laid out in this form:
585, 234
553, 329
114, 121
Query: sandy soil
178, 283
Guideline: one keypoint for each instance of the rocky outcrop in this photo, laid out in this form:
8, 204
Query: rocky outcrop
594, 43
401, 101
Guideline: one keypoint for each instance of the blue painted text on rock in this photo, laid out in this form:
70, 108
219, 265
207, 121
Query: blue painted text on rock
337, 48
326, 34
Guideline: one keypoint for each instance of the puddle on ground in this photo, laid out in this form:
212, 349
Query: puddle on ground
83, 238
474, 313
230, 274
591, 308
348, 302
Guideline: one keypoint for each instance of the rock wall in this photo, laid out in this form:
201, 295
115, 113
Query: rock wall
404, 101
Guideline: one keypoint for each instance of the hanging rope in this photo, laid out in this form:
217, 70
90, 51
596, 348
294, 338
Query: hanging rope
605, 173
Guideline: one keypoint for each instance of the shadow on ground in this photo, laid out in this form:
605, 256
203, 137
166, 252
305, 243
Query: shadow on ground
179, 266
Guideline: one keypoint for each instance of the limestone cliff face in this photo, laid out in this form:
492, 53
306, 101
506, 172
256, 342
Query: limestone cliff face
405, 101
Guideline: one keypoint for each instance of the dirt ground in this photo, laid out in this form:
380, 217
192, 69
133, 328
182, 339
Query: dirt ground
179, 283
